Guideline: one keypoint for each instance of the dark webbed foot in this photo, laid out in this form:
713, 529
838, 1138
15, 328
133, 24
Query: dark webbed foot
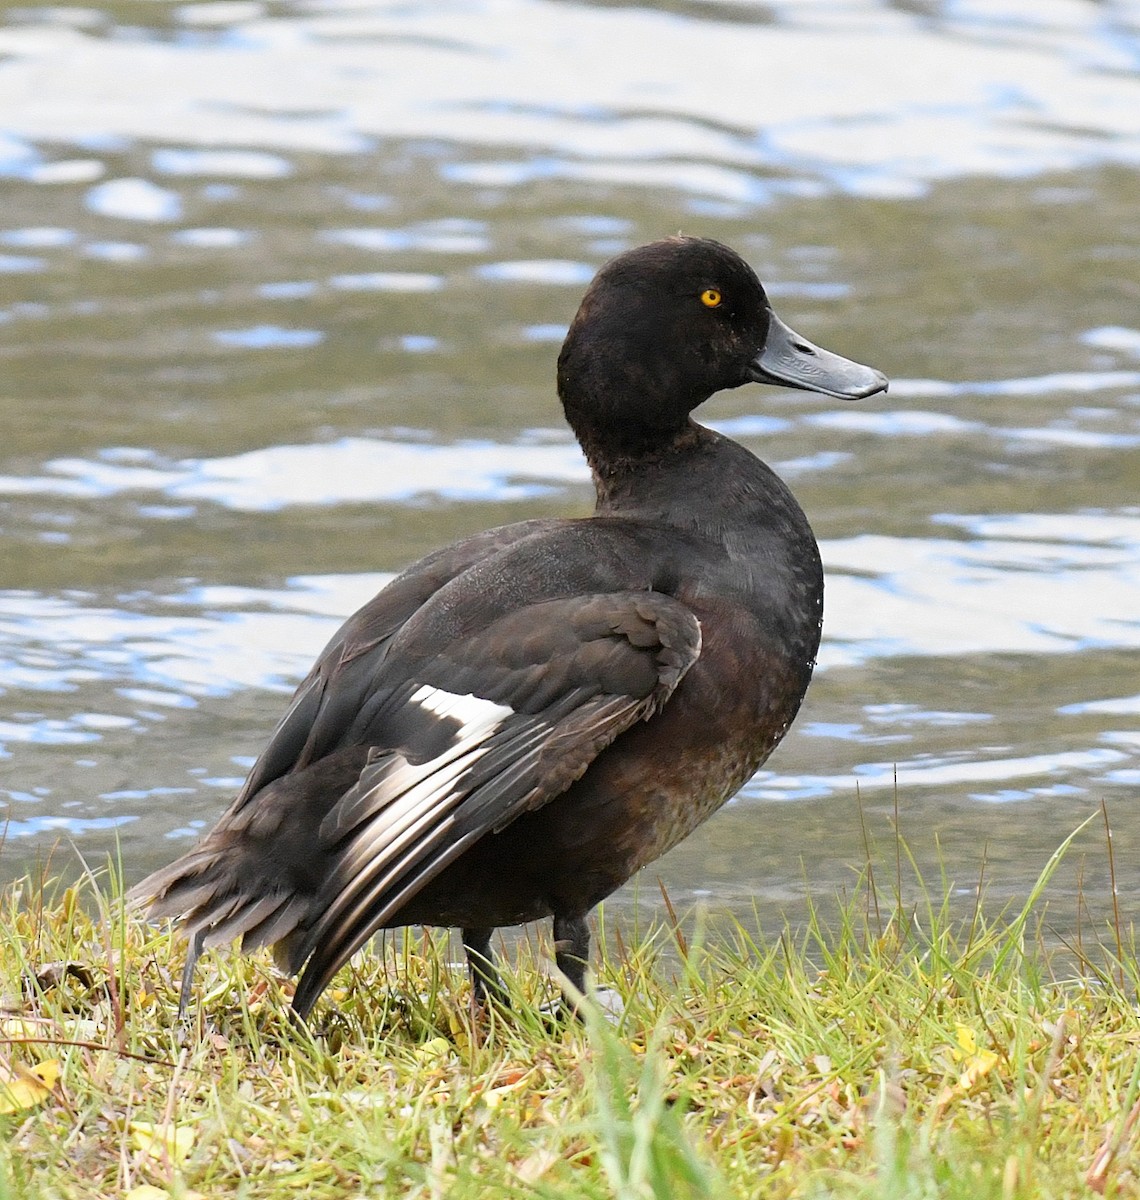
485, 980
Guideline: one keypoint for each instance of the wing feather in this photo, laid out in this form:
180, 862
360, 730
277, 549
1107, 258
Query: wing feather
405, 822
339, 696
476, 687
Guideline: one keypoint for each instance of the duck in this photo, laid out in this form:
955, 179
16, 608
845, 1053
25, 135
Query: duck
520, 721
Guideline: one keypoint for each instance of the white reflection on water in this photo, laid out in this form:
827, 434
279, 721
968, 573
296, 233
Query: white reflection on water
619, 94
963, 771
358, 470
39, 237
134, 200
1123, 706
453, 235
1057, 383
206, 642
229, 164
351, 470
1026, 583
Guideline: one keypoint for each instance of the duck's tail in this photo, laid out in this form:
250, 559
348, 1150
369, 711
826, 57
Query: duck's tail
219, 892
256, 875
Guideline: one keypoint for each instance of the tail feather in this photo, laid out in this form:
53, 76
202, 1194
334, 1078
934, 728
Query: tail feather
277, 927
166, 892
184, 900
219, 895
248, 913
222, 896
257, 874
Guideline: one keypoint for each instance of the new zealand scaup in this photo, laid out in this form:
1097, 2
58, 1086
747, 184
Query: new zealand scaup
521, 720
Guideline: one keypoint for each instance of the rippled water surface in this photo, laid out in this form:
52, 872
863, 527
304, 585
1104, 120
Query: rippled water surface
281, 290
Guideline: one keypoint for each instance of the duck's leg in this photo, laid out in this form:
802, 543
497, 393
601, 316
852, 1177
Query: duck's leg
572, 955
485, 979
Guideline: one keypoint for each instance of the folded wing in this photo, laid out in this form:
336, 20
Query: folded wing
499, 724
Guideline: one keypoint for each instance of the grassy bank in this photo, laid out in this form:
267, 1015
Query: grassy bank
894, 1053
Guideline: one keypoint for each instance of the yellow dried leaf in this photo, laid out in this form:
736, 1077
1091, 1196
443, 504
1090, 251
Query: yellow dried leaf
976, 1067
437, 1047
25, 1087
975, 1063
458, 1030
48, 1071
163, 1142
22, 1027
967, 1042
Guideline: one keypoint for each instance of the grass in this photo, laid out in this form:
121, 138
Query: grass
892, 1052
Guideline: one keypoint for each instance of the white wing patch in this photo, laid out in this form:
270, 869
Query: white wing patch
477, 717
404, 807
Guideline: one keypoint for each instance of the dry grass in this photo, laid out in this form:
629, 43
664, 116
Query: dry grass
893, 1054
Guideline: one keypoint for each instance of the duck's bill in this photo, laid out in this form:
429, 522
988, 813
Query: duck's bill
792, 361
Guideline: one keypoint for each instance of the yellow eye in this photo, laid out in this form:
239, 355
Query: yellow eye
711, 298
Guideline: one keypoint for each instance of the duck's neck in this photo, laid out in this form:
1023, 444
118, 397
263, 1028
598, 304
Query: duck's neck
621, 461
629, 416
699, 481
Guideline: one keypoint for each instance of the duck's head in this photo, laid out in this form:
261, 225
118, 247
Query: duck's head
664, 326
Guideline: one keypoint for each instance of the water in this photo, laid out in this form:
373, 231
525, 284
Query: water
281, 289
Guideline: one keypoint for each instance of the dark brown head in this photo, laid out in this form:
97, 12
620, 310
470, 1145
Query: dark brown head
664, 326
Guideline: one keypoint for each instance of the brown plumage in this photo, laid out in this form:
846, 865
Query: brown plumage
523, 719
